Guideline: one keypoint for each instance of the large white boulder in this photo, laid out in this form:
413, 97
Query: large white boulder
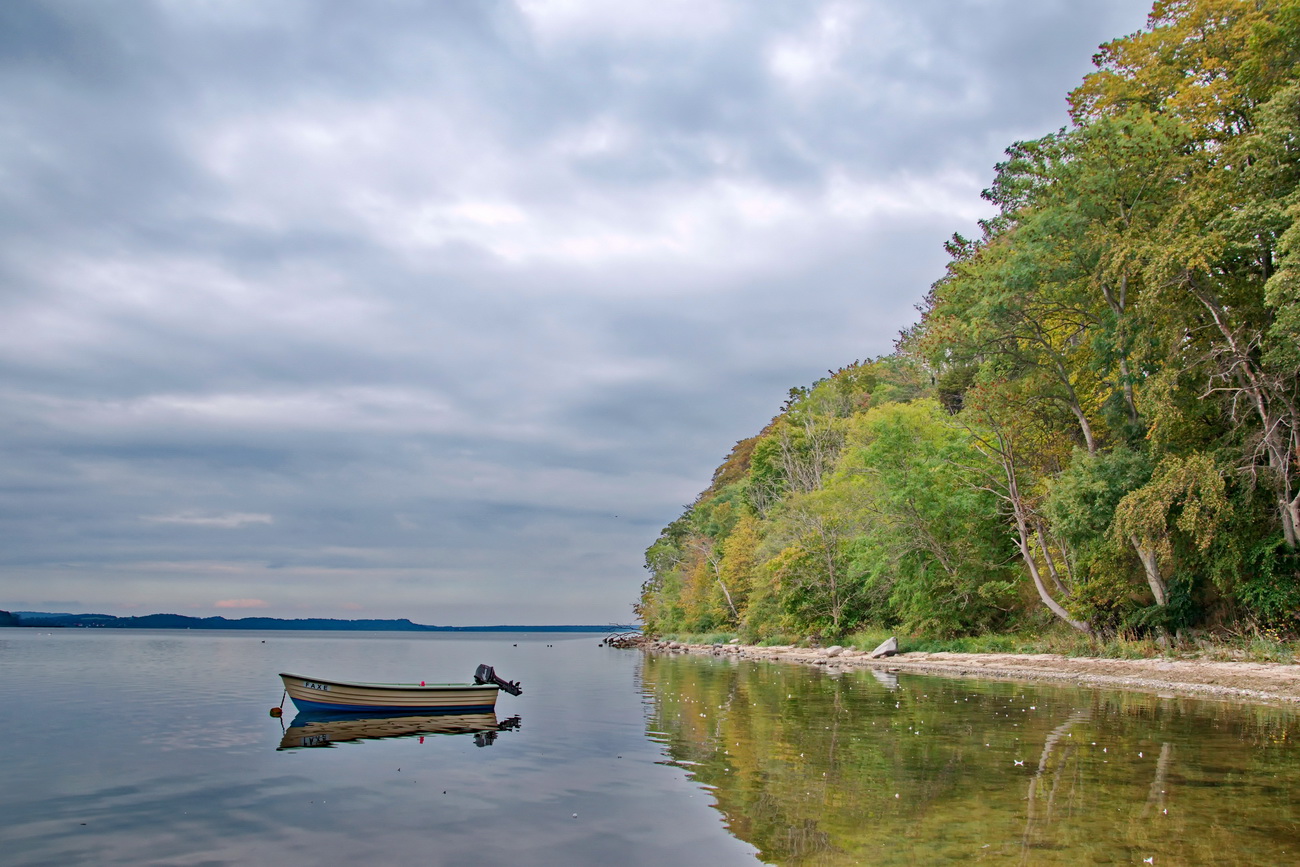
889, 647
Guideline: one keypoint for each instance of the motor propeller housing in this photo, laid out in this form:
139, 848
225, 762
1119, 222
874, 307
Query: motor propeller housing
485, 674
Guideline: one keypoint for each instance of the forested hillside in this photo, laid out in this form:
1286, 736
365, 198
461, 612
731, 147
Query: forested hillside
1096, 421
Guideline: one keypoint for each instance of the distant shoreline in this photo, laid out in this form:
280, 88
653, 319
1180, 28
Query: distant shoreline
312, 624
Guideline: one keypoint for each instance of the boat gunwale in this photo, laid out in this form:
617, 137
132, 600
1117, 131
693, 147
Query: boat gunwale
412, 687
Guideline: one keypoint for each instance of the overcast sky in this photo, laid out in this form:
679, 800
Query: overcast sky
442, 310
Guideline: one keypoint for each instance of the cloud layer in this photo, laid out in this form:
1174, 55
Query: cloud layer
441, 310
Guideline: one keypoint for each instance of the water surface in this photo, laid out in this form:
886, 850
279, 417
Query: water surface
873, 768
155, 747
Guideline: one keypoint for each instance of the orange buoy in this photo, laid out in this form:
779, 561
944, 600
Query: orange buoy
275, 711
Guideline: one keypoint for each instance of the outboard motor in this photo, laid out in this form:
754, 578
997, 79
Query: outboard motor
485, 674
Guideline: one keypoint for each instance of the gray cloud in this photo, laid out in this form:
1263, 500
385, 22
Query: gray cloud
442, 310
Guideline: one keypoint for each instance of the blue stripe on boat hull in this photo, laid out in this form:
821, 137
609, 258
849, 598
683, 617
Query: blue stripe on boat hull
315, 706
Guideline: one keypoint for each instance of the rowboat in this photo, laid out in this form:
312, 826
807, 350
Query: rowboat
313, 729
319, 694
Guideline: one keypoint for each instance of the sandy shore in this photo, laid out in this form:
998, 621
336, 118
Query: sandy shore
1241, 681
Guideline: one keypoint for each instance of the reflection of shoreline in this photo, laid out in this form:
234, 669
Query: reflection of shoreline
324, 730
1242, 681
831, 770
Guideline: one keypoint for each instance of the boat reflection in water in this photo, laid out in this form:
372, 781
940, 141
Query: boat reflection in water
315, 729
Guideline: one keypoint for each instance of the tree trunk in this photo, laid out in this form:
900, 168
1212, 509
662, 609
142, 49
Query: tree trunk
1118, 301
1020, 512
1126, 383
1047, 557
727, 593
1089, 440
715, 561
1148, 557
1037, 577
1000, 449
1290, 520
1072, 401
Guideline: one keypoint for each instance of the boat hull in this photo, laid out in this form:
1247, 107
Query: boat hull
319, 695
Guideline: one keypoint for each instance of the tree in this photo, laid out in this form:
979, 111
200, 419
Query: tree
813, 567
931, 536
1021, 449
1186, 494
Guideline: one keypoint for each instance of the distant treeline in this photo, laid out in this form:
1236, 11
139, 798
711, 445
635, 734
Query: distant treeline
1096, 421
180, 621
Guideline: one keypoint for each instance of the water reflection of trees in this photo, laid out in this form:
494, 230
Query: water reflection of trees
816, 769
1044, 786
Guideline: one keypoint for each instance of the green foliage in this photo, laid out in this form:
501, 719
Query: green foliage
1083, 498
812, 539
934, 539
1179, 612
1271, 590
1080, 507
1096, 422
1186, 495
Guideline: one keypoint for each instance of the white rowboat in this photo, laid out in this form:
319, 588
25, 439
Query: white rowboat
319, 694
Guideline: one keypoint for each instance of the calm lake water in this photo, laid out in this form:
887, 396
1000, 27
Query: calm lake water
155, 747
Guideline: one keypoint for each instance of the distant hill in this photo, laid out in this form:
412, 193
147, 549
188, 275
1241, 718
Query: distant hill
181, 621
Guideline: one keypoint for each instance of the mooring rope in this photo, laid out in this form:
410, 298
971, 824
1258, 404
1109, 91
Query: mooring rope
278, 710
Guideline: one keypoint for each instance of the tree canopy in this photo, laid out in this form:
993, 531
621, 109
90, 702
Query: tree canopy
1096, 420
